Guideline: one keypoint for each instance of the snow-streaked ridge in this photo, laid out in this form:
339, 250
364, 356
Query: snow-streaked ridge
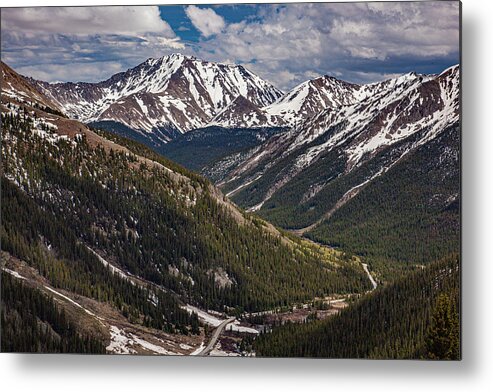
311, 97
383, 114
176, 92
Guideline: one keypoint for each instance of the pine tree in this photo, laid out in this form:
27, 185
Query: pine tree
442, 341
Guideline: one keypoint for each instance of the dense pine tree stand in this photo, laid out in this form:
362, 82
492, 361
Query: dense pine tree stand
412, 318
443, 337
32, 322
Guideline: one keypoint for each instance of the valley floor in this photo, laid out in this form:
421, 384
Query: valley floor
220, 335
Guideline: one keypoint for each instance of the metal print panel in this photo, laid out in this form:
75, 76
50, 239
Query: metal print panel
264, 180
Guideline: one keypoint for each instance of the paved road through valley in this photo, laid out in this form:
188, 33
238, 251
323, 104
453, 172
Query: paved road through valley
215, 336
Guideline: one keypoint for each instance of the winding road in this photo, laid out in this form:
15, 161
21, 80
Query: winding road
215, 336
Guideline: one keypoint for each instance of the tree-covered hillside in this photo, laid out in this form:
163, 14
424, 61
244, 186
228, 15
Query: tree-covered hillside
202, 149
410, 214
152, 219
32, 322
415, 317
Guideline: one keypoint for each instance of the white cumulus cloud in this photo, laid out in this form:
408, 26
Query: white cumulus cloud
125, 20
205, 20
83, 43
290, 41
283, 43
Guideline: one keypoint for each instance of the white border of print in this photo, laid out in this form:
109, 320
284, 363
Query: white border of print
79, 373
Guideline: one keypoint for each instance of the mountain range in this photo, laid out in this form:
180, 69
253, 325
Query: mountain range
109, 247
136, 245
163, 97
184, 93
295, 158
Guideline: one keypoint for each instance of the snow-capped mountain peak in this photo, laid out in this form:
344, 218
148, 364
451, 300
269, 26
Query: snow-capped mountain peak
174, 92
242, 113
311, 97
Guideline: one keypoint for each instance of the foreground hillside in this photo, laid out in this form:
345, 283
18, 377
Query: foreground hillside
126, 239
415, 317
33, 322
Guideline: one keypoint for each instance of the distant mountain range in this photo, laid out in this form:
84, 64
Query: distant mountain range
182, 93
162, 98
165, 96
295, 158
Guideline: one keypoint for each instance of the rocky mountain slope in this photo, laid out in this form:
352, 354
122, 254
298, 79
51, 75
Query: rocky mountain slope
175, 93
242, 113
311, 97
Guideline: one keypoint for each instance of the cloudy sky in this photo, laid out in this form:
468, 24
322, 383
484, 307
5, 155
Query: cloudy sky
285, 44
